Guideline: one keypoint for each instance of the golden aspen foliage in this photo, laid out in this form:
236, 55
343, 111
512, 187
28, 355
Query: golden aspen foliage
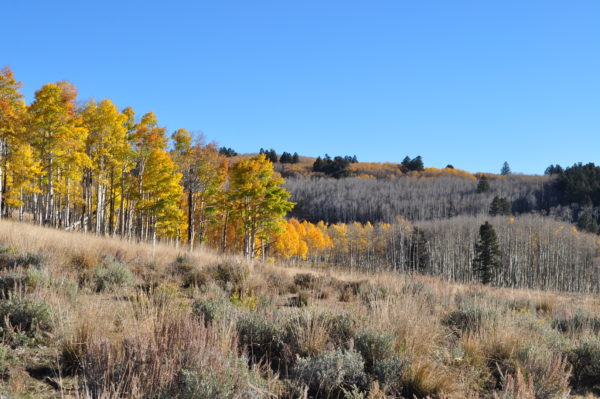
257, 199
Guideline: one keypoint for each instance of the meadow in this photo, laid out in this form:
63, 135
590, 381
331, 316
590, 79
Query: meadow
84, 316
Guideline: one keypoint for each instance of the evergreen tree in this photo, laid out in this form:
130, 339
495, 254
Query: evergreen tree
487, 259
418, 251
337, 167
587, 221
295, 158
286, 157
228, 152
416, 164
505, 171
449, 166
271, 155
500, 207
484, 185
554, 170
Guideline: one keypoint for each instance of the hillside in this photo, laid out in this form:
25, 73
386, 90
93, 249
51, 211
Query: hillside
86, 316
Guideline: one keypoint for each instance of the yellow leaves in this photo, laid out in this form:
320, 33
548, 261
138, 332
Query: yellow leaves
289, 243
107, 140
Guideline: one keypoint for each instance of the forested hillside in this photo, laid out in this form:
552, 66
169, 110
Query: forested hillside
415, 198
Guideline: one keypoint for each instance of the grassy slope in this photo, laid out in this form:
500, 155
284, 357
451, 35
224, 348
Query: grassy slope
454, 340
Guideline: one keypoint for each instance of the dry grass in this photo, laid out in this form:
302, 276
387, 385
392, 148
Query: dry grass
144, 339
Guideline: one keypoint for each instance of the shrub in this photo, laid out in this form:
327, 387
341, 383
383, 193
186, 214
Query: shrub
390, 373
521, 305
470, 318
236, 382
229, 276
85, 260
9, 283
585, 359
211, 309
176, 358
425, 380
25, 315
298, 301
352, 289
307, 332
578, 322
550, 376
264, 340
342, 328
374, 345
544, 307
11, 260
4, 363
305, 280
244, 298
183, 264
331, 372
113, 276
195, 278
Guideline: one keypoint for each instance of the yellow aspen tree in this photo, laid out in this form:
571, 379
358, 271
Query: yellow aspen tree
106, 146
146, 137
162, 194
204, 174
59, 141
287, 242
12, 115
257, 198
22, 170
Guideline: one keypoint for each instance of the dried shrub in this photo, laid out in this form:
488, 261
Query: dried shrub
177, 357
264, 341
328, 374
299, 301
426, 380
308, 332
585, 359
113, 276
390, 373
578, 322
25, 315
85, 260
9, 260
10, 283
470, 318
342, 328
229, 276
374, 345
305, 280
211, 309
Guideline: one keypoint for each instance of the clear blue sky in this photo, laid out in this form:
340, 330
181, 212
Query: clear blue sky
472, 83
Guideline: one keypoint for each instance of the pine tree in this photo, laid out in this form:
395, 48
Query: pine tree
483, 186
505, 171
416, 164
500, 207
487, 261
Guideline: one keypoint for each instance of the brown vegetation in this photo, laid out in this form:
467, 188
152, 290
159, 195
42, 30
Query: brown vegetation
116, 319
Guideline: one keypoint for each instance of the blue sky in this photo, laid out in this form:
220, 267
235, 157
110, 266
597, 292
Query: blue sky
472, 83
